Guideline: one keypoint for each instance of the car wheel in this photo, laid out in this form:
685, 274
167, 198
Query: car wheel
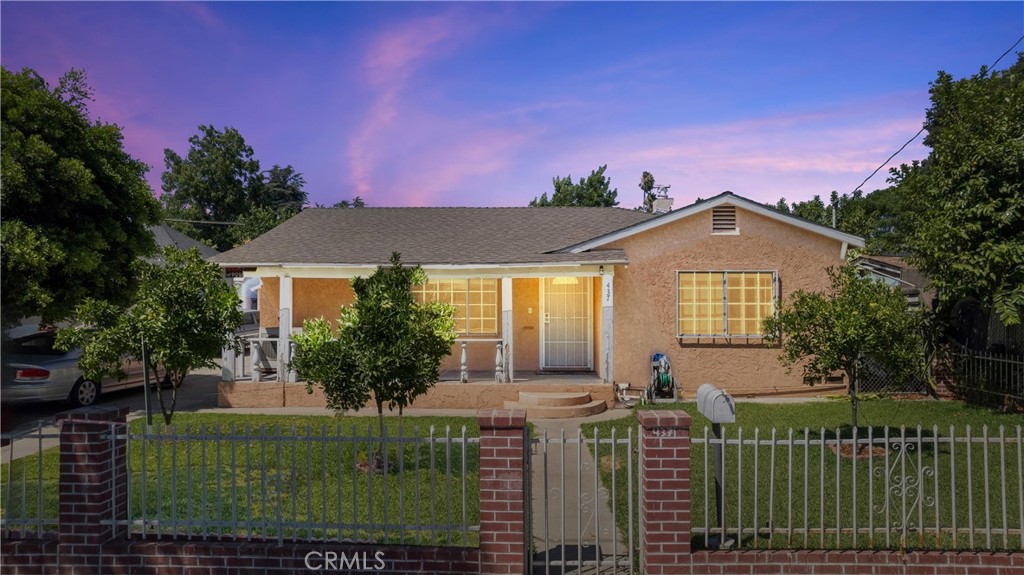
84, 393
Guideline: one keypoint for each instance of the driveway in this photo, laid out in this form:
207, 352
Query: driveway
198, 392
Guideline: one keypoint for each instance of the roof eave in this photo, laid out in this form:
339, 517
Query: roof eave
490, 265
723, 198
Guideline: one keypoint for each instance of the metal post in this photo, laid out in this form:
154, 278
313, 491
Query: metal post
717, 455
145, 387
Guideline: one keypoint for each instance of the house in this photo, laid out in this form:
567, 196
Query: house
970, 323
165, 235
895, 271
564, 291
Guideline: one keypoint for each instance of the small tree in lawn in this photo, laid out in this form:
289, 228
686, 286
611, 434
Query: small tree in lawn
858, 318
184, 311
387, 343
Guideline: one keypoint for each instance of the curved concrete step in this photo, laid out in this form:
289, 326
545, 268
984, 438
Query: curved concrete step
554, 398
559, 411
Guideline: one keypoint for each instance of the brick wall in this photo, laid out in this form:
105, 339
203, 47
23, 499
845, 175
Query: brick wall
503, 452
135, 557
854, 563
665, 501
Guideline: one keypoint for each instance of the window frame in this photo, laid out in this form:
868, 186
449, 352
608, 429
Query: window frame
466, 307
776, 294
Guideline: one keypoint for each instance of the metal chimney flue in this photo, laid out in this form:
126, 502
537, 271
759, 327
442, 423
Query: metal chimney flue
662, 202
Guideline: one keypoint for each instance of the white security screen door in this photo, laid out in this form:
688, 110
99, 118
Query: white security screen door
567, 337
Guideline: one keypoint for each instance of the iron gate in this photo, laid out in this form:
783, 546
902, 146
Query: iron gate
584, 503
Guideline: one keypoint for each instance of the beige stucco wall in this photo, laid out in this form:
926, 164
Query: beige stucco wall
645, 300
444, 395
311, 298
318, 297
269, 301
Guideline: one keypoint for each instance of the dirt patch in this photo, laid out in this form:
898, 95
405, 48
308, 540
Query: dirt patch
606, 462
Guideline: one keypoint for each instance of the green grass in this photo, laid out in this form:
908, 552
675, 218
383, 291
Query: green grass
815, 525
299, 487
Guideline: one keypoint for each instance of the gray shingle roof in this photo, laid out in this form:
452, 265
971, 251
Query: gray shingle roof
168, 236
437, 236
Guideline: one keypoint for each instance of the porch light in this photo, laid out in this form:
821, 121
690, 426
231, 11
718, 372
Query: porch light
600, 271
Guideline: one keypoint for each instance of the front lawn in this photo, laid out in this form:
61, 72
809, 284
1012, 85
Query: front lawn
902, 497
288, 477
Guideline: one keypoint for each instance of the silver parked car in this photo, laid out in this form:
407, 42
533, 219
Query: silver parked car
34, 372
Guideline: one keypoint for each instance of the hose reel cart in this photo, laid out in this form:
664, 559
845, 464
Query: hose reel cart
662, 386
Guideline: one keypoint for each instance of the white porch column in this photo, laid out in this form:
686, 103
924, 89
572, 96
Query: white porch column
227, 364
227, 355
284, 327
607, 325
506, 327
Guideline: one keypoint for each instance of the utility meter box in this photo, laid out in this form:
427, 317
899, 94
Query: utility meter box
715, 404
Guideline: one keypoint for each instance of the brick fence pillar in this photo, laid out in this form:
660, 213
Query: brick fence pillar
93, 484
665, 491
503, 458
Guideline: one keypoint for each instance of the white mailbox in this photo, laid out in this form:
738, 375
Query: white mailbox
715, 404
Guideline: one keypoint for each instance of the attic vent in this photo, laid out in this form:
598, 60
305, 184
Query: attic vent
723, 220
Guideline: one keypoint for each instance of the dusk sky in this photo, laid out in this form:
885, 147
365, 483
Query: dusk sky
481, 104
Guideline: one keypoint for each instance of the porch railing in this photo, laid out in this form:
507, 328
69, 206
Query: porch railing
820, 489
502, 373
261, 359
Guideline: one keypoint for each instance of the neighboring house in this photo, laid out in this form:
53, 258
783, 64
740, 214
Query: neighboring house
971, 324
591, 290
895, 271
168, 236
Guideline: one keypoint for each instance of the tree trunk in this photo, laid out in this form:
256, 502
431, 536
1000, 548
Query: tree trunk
852, 374
377, 457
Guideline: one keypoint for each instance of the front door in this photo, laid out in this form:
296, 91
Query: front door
567, 337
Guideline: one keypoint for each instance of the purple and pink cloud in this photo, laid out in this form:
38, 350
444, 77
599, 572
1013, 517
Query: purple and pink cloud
482, 104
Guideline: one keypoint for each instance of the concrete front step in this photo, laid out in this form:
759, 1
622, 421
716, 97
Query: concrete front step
553, 398
557, 405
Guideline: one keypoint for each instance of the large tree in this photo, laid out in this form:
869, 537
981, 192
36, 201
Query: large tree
594, 190
387, 343
219, 181
75, 205
872, 216
858, 319
212, 183
966, 231
183, 311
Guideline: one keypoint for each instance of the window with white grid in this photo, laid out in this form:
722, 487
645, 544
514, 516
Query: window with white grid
475, 301
724, 303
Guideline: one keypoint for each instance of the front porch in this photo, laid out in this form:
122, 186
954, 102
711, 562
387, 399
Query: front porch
481, 392
513, 325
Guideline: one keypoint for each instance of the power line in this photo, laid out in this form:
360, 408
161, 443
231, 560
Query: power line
908, 142
212, 223
1019, 40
